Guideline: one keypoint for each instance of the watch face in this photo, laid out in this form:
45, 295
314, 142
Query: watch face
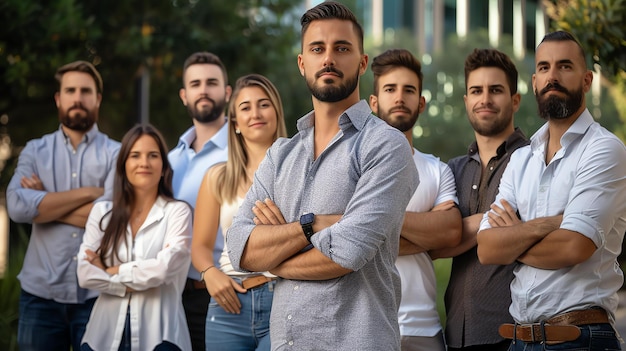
307, 218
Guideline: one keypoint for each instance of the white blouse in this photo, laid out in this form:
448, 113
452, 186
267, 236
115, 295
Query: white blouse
155, 267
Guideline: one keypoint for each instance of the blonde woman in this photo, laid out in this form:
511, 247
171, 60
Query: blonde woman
239, 311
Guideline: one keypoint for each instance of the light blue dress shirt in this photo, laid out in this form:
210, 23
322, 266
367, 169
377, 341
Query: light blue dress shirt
49, 269
367, 174
586, 182
189, 169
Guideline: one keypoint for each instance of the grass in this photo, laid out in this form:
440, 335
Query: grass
10, 292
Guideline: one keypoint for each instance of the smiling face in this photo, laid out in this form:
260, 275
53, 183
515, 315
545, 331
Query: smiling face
489, 103
144, 164
78, 101
255, 116
398, 101
331, 61
205, 93
561, 79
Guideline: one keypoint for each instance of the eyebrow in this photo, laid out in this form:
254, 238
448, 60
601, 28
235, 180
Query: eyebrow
249, 102
557, 62
488, 86
338, 42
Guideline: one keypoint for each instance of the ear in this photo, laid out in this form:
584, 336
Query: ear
57, 99
229, 91
422, 105
587, 81
300, 65
363, 64
374, 103
534, 79
517, 98
183, 96
98, 100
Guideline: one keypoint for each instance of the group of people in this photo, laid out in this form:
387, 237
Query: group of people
242, 239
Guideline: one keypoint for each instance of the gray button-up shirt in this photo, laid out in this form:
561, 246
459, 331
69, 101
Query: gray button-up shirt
49, 269
366, 173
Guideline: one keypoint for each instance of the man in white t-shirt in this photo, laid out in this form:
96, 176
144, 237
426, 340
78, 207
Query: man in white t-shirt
432, 220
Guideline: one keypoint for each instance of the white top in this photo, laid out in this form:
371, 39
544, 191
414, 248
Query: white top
155, 267
418, 308
586, 182
228, 210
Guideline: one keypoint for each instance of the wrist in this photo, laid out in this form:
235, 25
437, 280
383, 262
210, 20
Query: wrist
203, 273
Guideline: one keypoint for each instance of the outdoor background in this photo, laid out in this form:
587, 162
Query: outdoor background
139, 48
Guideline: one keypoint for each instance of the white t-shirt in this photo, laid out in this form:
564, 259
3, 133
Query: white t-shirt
418, 315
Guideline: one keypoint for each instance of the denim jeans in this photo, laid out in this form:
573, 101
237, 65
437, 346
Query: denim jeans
593, 337
50, 325
248, 330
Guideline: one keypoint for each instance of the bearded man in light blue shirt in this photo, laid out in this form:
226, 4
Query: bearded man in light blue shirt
58, 178
569, 190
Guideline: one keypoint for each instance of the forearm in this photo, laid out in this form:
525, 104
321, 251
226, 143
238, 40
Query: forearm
433, 230
310, 265
504, 245
559, 249
408, 248
78, 217
58, 204
282, 241
470, 225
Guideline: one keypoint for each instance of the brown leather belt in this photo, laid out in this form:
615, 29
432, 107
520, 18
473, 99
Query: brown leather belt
192, 284
557, 329
257, 280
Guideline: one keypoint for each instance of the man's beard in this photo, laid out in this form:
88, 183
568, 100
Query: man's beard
556, 107
401, 124
329, 93
78, 122
208, 114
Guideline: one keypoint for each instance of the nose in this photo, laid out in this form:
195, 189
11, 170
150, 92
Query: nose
399, 97
485, 98
329, 59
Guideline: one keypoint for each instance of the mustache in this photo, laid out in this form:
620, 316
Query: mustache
205, 97
329, 69
553, 86
77, 106
399, 108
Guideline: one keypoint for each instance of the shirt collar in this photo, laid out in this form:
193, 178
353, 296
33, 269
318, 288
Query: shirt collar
355, 115
87, 138
507, 146
220, 139
579, 127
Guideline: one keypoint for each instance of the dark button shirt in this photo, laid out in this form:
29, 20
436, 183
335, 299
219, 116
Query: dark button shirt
478, 296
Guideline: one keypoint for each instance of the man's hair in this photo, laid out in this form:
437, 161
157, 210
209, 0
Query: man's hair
492, 58
561, 35
331, 10
204, 58
80, 66
395, 58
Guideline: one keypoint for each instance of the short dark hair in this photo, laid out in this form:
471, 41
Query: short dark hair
204, 58
562, 35
395, 58
492, 58
331, 10
80, 66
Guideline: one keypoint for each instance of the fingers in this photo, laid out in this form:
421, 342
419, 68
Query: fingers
229, 301
266, 212
444, 206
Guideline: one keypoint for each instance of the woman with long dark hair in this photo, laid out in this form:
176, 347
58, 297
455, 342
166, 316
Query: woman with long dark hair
135, 251
239, 310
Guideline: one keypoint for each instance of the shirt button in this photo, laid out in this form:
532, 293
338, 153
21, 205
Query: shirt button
74, 235
491, 168
296, 287
73, 175
289, 317
74, 152
474, 186
74, 258
290, 343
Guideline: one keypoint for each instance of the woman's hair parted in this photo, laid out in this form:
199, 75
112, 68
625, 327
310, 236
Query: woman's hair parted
124, 194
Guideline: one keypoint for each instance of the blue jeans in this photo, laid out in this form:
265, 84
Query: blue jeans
50, 325
248, 330
593, 337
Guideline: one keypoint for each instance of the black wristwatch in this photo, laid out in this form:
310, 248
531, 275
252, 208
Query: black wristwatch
306, 221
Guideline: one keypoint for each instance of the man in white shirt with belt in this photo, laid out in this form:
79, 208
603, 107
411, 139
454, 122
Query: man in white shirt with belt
561, 213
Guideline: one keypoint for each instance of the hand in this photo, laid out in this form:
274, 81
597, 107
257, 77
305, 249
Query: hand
223, 289
266, 212
94, 259
504, 216
32, 183
444, 206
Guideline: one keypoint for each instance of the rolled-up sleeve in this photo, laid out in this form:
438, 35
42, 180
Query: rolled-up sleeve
22, 203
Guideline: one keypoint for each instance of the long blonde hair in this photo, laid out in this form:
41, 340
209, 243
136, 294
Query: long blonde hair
232, 174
